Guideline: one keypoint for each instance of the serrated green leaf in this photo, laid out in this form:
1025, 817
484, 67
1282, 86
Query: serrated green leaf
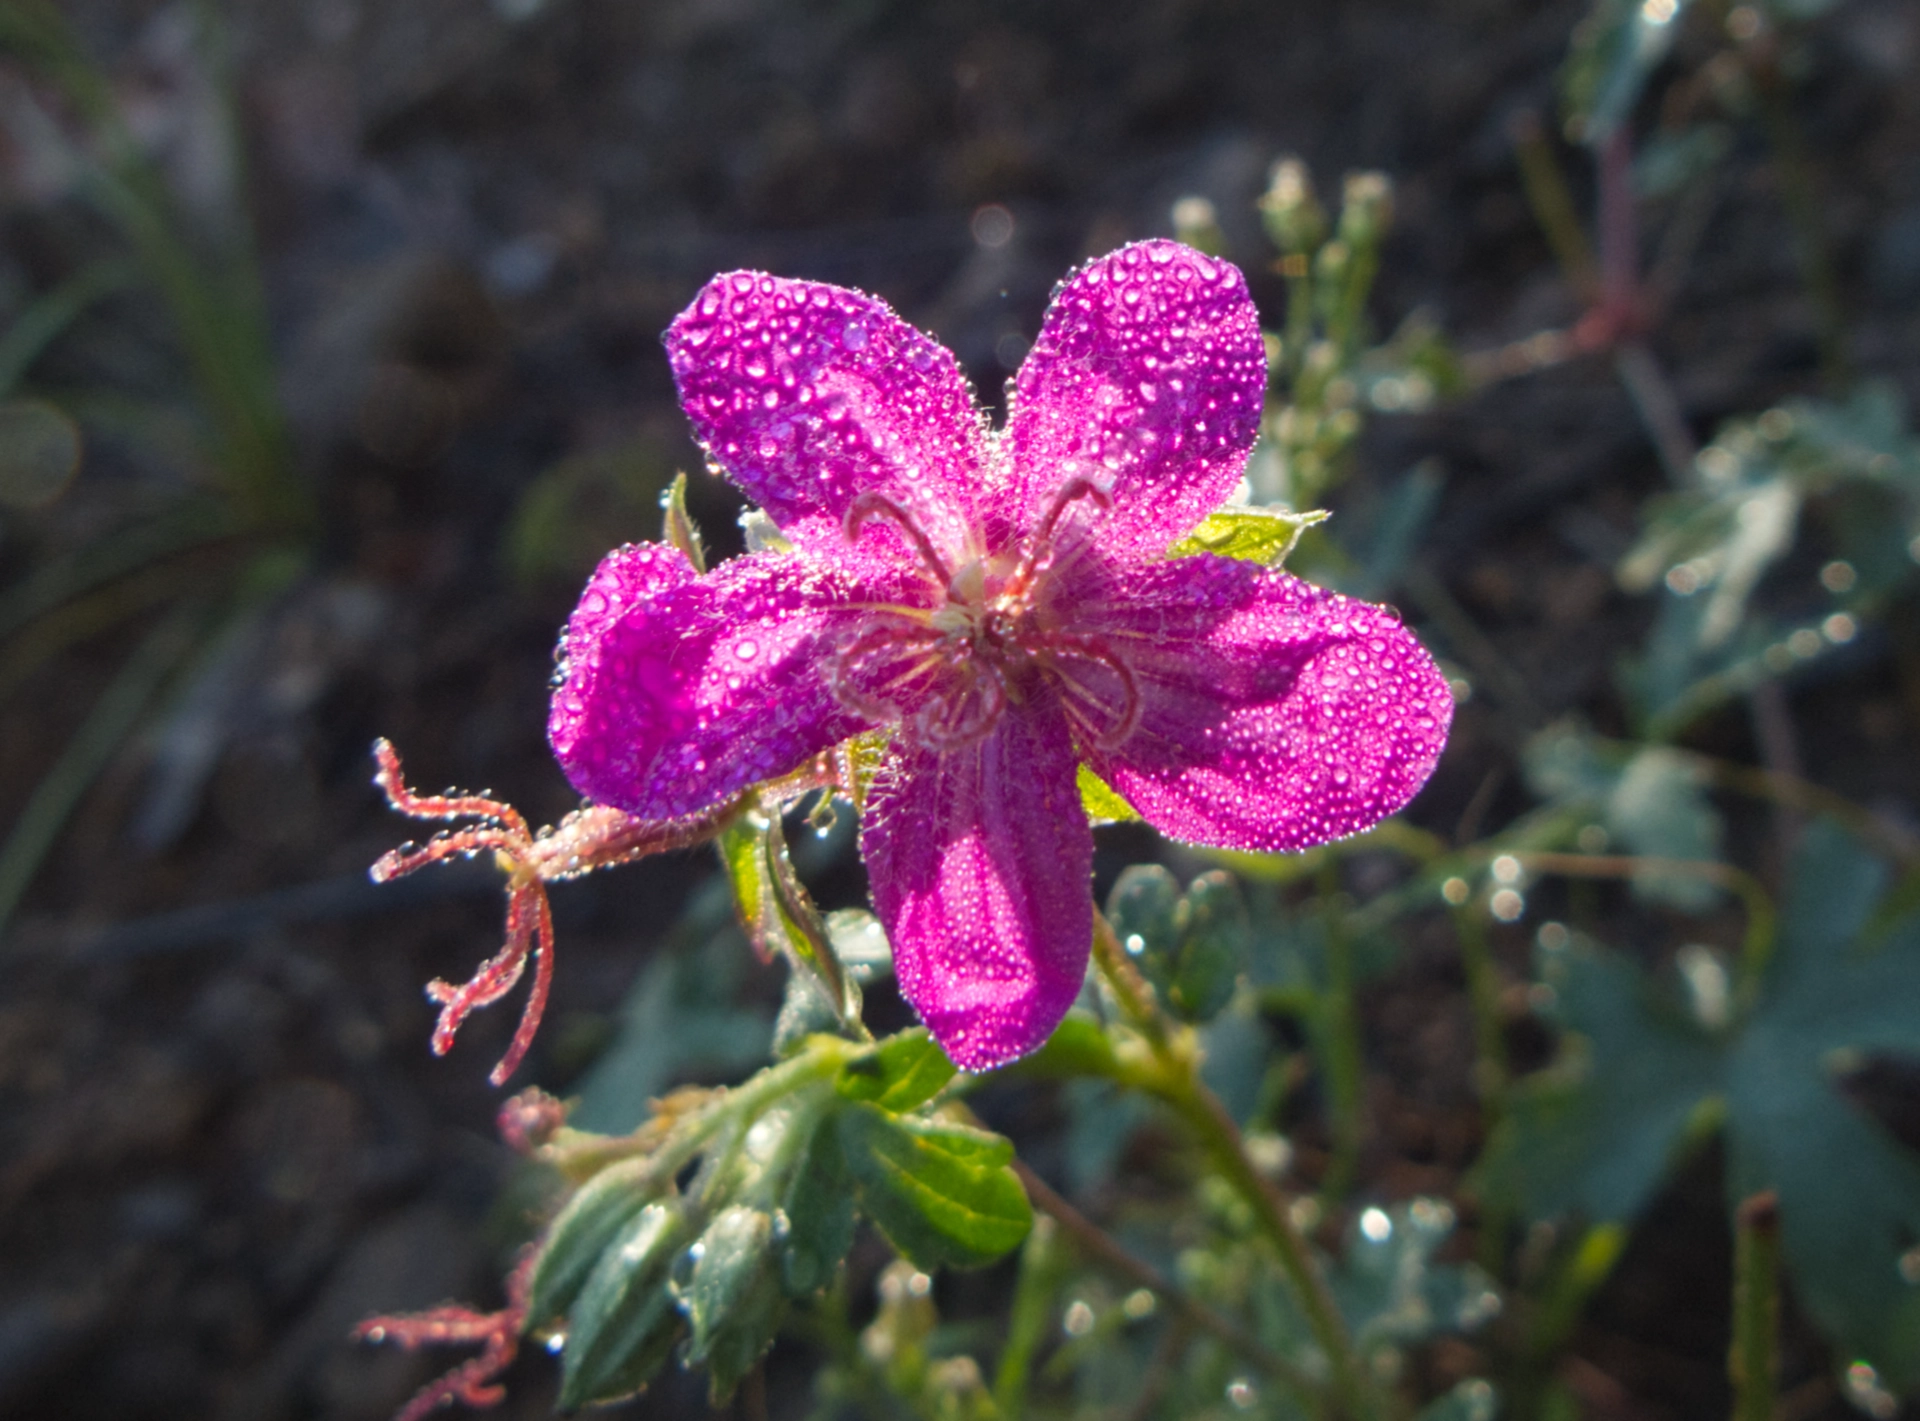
1101, 800
624, 1324
942, 1195
1263, 535
582, 1232
818, 1208
1594, 1134
734, 1299
1597, 1133
905, 1071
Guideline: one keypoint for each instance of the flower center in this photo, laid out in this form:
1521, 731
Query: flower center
994, 636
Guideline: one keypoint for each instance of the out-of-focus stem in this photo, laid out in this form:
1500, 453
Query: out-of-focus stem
1483, 996
1552, 203
1176, 1081
1753, 1360
1106, 1253
1340, 1039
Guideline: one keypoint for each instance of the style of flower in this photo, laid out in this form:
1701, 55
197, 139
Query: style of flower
1004, 603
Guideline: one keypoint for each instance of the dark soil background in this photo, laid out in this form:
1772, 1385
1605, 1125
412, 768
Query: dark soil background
222, 1138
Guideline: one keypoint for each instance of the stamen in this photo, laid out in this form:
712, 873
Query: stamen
897, 638
1093, 649
1038, 544
874, 502
955, 721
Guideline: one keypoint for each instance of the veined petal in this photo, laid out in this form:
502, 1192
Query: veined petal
1273, 715
979, 860
678, 690
1147, 378
810, 395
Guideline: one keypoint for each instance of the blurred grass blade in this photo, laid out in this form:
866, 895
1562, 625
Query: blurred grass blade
100, 735
48, 315
109, 557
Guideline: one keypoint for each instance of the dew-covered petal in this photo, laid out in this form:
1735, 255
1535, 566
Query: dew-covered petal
678, 690
1147, 377
809, 395
1273, 715
980, 860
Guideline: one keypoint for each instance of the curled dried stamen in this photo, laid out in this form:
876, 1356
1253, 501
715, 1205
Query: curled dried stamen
1042, 539
852, 662
963, 718
473, 1381
872, 503
1075, 690
596, 837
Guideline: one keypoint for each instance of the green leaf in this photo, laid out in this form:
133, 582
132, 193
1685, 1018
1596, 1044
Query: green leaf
624, 1323
1472, 1400
818, 1208
942, 1195
1615, 50
1595, 1132
584, 1230
904, 1071
1079, 1046
1101, 800
1652, 801
1263, 535
734, 1299
1390, 1287
1215, 942
1144, 908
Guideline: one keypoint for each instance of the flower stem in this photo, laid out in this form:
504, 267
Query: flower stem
1177, 1082
1108, 1254
1753, 1360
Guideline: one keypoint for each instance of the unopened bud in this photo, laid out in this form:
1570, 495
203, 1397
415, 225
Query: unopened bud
1366, 209
1294, 217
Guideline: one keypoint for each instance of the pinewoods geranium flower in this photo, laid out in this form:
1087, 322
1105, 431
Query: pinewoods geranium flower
1005, 603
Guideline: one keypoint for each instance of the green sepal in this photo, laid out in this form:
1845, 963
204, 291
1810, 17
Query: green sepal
677, 528
624, 1323
1102, 801
942, 1194
734, 1299
774, 908
902, 1072
581, 1233
818, 1210
1263, 535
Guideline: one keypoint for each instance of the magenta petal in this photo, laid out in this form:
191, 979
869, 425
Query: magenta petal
1274, 715
980, 862
1148, 374
677, 691
809, 395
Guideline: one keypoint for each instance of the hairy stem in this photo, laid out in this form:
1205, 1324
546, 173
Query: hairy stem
1753, 1361
1177, 1082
